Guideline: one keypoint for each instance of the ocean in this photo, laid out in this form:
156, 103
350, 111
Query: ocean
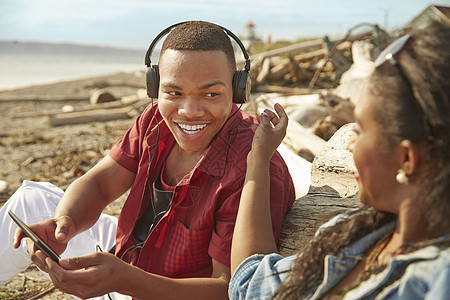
27, 64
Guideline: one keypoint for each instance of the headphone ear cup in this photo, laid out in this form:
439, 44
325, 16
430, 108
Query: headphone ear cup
241, 86
152, 76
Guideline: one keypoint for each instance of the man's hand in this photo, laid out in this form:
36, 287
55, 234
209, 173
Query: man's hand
88, 276
55, 232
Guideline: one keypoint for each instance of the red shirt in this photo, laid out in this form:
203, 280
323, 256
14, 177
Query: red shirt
199, 224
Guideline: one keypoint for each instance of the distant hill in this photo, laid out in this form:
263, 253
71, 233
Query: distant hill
10, 47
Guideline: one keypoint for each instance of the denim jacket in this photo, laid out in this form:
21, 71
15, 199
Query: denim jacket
423, 274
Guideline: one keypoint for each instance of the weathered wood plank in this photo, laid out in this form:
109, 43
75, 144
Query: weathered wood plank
306, 216
333, 190
97, 115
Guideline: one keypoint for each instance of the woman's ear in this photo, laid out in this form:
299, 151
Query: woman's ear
412, 156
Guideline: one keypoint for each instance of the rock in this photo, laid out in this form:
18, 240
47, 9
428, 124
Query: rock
68, 108
334, 166
3, 186
333, 190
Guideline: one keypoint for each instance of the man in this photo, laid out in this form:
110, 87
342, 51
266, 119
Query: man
185, 161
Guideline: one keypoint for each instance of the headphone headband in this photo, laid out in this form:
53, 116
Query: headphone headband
168, 29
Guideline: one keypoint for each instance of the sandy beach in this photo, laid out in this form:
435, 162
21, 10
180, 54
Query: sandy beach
32, 149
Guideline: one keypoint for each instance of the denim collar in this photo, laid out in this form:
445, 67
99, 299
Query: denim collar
336, 267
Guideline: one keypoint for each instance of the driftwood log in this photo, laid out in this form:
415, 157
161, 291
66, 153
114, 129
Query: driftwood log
298, 139
101, 96
302, 47
300, 62
333, 190
136, 100
269, 88
98, 114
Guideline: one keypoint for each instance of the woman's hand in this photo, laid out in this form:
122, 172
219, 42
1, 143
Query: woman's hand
270, 132
56, 233
88, 276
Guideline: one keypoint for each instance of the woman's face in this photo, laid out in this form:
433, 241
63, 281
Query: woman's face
376, 164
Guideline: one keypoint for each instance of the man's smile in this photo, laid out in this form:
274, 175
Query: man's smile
191, 129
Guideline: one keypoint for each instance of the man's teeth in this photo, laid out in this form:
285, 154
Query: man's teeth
191, 129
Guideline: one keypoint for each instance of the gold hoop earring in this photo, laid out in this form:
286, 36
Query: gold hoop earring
401, 177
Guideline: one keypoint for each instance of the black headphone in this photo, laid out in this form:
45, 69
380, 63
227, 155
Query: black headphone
241, 78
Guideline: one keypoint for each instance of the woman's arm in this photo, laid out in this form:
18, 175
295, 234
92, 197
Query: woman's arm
253, 230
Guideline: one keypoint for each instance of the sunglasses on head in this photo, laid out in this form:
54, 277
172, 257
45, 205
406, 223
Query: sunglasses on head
389, 53
391, 50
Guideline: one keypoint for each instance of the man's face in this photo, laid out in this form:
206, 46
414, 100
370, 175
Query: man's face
195, 95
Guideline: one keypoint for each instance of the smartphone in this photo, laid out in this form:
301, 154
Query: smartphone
35, 238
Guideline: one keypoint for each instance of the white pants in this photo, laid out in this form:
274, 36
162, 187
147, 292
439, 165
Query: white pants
34, 202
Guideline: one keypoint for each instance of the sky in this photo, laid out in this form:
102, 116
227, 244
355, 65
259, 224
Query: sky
134, 23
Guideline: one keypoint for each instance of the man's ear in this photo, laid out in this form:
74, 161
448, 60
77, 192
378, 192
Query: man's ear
412, 154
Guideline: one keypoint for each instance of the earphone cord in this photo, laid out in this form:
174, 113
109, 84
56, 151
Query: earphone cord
214, 137
141, 244
239, 108
152, 157
132, 248
99, 249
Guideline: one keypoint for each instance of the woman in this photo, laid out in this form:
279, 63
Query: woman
397, 245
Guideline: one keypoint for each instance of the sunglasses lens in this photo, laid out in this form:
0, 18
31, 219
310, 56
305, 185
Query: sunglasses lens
392, 49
